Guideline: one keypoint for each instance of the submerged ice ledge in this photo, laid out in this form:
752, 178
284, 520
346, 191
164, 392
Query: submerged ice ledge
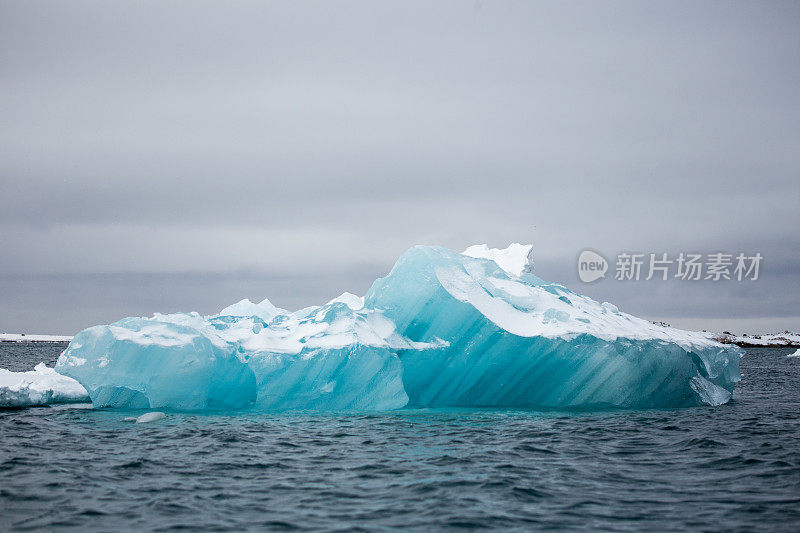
442, 329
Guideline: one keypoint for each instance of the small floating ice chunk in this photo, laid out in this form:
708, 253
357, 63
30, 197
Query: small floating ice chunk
150, 417
40, 386
795, 354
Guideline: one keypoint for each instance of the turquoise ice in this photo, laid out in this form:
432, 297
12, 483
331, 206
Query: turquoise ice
518, 341
334, 357
443, 329
168, 361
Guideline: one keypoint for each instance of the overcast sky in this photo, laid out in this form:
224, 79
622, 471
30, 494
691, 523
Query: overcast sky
165, 156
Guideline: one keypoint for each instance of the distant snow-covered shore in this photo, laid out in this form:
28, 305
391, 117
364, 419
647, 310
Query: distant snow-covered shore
751, 341
746, 341
23, 337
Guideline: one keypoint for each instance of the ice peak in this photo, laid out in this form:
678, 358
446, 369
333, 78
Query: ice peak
350, 300
513, 259
265, 310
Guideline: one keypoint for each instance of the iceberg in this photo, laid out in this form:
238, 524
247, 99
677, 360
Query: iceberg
40, 386
336, 356
515, 340
442, 329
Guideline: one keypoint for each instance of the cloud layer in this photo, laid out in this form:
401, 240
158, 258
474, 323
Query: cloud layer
183, 155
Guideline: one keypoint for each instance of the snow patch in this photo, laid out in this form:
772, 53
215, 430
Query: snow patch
513, 259
350, 300
40, 386
265, 310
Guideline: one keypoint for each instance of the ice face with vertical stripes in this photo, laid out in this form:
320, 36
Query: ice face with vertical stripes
515, 340
443, 329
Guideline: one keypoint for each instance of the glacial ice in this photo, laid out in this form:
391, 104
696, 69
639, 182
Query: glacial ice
162, 361
516, 340
337, 356
40, 386
441, 330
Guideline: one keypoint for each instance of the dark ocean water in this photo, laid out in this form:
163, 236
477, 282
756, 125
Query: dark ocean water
734, 467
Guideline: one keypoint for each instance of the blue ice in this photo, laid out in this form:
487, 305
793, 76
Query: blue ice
443, 329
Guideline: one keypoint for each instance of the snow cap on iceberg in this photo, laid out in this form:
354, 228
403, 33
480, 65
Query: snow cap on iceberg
515, 259
529, 306
350, 300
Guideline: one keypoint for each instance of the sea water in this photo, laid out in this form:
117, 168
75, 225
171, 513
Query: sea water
736, 466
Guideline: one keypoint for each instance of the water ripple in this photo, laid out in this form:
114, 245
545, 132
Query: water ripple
732, 467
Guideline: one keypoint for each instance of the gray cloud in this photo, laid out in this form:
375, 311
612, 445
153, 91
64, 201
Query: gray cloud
294, 141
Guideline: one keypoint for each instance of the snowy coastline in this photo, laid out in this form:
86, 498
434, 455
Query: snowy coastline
24, 337
754, 341
744, 341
